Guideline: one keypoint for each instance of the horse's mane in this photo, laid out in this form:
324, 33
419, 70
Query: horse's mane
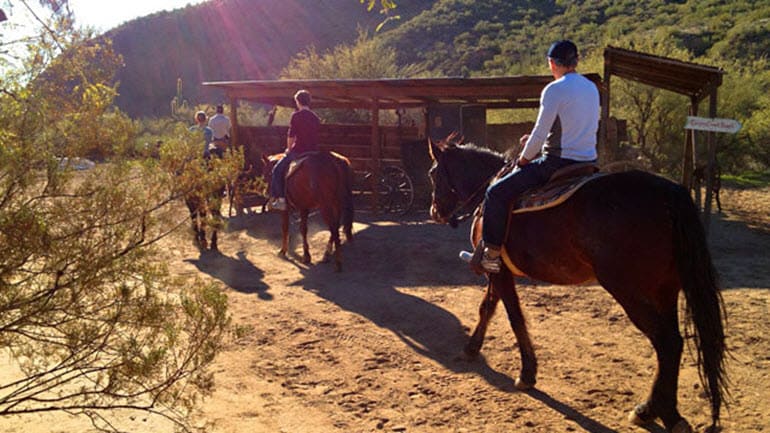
478, 158
481, 151
471, 165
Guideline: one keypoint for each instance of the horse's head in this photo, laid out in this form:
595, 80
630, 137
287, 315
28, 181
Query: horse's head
268, 162
444, 198
459, 174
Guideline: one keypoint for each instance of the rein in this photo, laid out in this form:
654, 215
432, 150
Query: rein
454, 217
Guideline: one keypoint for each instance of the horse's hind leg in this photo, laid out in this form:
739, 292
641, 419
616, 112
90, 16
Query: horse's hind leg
660, 325
335, 240
486, 311
503, 284
663, 332
333, 245
303, 215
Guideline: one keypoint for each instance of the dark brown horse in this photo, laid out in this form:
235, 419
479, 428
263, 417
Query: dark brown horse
323, 181
637, 234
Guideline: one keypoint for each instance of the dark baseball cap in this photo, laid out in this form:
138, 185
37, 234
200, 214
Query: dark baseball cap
564, 52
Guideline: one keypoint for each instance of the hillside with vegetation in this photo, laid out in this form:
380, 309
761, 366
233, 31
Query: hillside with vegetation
169, 54
504, 37
224, 40
510, 37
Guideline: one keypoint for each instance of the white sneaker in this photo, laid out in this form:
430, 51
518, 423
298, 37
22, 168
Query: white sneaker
481, 262
490, 263
277, 204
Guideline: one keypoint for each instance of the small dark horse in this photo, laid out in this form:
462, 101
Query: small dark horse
204, 212
204, 201
323, 181
637, 234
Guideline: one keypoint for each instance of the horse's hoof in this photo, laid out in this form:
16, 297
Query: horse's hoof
282, 254
640, 415
521, 385
472, 350
682, 427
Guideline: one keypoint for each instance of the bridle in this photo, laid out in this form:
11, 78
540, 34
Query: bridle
455, 217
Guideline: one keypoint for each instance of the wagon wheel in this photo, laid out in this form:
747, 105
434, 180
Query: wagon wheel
395, 191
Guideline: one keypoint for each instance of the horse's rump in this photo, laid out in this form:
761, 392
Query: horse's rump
318, 178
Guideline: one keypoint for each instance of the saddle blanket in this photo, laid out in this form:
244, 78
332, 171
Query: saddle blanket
552, 193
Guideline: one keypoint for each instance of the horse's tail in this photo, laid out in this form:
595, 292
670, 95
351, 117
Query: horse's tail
704, 313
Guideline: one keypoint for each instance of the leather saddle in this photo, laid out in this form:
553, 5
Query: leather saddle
562, 184
297, 162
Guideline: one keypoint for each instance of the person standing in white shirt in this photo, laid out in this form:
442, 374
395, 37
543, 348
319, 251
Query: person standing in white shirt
220, 124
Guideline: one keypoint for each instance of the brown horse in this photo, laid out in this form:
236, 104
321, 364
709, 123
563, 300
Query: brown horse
637, 234
323, 181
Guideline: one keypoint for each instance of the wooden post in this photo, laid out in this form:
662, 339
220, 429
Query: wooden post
604, 95
234, 122
376, 152
689, 151
712, 156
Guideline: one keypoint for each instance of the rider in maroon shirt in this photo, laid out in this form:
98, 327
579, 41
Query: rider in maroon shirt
302, 138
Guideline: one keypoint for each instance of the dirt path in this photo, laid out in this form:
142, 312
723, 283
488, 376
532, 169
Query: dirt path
378, 347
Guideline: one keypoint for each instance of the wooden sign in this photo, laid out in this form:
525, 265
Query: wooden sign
712, 124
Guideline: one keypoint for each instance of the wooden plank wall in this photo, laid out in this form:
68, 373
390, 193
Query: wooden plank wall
352, 141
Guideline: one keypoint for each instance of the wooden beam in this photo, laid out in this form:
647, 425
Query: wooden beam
376, 152
604, 97
711, 165
234, 122
689, 150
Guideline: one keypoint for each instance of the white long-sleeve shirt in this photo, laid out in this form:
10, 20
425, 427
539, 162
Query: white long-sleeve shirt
220, 124
567, 121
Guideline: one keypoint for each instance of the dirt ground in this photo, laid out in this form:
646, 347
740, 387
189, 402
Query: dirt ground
378, 346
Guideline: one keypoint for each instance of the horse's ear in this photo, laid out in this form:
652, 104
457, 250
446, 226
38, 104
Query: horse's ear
265, 159
454, 139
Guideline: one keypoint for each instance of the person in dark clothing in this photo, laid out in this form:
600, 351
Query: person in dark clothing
302, 138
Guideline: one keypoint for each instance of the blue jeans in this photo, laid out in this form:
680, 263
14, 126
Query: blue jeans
508, 188
278, 180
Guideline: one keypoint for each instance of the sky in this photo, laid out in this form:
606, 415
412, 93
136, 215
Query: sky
106, 14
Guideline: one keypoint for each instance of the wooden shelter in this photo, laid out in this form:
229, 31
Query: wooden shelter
385, 94
690, 79
373, 147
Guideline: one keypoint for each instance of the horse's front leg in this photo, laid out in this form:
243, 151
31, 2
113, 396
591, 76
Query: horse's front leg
284, 233
486, 311
216, 223
199, 226
504, 286
303, 215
